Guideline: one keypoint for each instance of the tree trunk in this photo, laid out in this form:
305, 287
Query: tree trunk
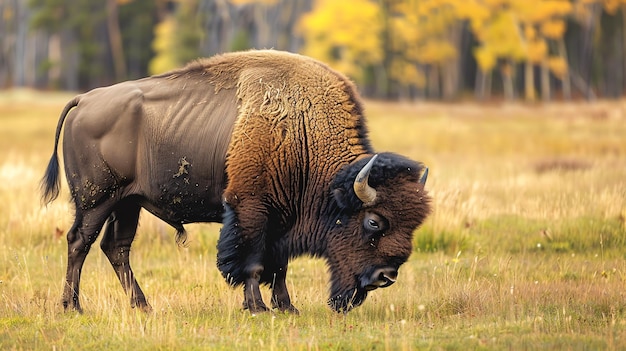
54, 57
488, 84
69, 65
434, 91
449, 79
482, 90
21, 36
381, 81
529, 82
217, 26
582, 85
545, 81
451, 69
40, 57
623, 48
385, 89
115, 40
567, 85
7, 42
479, 85
260, 19
587, 54
283, 26
507, 80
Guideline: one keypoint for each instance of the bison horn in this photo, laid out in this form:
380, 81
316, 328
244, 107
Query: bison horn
363, 191
424, 176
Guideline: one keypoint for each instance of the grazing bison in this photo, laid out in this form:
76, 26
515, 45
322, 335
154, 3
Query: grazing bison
271, 144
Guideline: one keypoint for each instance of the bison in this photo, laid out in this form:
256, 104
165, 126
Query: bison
271, 144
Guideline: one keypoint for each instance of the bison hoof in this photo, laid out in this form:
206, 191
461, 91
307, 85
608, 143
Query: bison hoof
289, 309
285, 307
255, 307
144, 307
70, 307
139, 301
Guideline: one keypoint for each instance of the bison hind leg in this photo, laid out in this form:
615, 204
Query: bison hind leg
118, 236
84, 231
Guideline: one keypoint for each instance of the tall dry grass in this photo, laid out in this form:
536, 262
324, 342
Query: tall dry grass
525, 249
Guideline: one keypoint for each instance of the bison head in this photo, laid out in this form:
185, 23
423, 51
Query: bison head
379, 202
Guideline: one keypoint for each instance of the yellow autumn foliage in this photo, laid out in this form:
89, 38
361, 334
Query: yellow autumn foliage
163, 46
407, 73
421, 33
529, 32
611, 6
485, 58
248, 2
346, 34
538, 11
515, 30
504, 36
558, 66
473, 10
496, 3
537, 50
560, 7
553, 29
421, 36
436, 52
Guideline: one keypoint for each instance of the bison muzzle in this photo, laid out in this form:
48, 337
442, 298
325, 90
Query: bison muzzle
271, 144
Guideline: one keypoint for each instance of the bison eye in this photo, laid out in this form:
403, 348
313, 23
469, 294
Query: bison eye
374, 224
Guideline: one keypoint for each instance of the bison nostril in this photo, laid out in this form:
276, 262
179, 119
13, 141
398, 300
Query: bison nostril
388, 274
381, 278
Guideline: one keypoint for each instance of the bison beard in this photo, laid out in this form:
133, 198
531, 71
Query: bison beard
272, 144
344, 302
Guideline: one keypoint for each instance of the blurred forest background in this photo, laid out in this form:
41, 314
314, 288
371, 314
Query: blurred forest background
393, 49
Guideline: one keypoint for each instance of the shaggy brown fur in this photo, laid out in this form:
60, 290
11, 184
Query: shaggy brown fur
301, 114
267, 142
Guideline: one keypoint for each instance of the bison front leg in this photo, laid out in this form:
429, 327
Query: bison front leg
80, 237
253, 301
280, 294
240, 251
276, 261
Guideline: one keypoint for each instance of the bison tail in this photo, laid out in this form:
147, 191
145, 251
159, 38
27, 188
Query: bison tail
51, 183
181, 236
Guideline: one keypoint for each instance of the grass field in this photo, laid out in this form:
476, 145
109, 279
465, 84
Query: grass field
525, 250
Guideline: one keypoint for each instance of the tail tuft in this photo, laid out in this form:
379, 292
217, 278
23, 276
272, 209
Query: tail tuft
50, 183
